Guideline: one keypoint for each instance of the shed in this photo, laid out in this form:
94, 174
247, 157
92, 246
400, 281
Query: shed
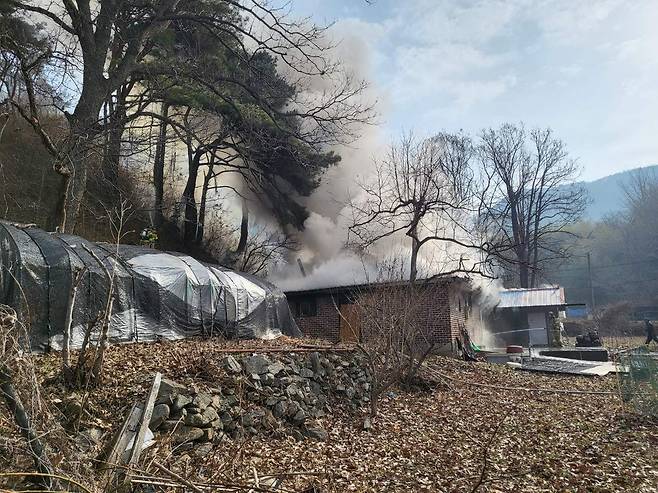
522, 315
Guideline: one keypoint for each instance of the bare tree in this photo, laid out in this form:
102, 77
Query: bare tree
254, 253
528, 196
262, 249
425, 189
159, 166
390, 321
89, 366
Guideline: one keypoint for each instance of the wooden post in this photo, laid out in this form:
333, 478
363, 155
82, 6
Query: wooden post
121, 439
146, 419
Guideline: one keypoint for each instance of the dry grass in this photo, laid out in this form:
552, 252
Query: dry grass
623, 342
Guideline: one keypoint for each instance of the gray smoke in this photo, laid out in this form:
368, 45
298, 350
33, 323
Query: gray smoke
324, 252
323, 242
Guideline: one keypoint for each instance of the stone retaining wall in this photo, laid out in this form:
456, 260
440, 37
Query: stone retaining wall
282, 393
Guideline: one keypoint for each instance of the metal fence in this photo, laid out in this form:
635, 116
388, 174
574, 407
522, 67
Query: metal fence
639, 384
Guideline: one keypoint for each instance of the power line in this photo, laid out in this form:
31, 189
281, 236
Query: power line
620, 283
607, 266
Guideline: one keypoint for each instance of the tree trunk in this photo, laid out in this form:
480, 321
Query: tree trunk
415, 247
158, 168
112, 154
534, 266
74, 163
535, 238
191, 218
66, 346
524, 274
111, 158
202, 205
519, 233
75, 193
244, 228
97, 371
55, 216
81, 143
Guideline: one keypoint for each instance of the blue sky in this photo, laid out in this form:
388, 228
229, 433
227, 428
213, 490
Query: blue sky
586, 68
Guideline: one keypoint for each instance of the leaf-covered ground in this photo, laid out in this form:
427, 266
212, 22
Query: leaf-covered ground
438, 438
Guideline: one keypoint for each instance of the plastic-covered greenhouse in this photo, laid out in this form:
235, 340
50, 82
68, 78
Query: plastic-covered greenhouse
156, 295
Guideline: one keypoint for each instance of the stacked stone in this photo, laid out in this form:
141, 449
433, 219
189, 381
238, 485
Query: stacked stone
280, 394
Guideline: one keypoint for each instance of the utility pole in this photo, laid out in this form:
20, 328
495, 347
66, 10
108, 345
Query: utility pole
591, 285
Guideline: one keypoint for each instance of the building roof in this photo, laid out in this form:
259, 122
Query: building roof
351, 288
528, 297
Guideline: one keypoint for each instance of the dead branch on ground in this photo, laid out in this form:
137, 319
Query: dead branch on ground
485, 462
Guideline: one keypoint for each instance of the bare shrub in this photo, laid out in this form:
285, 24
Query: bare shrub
613, 320
89, 367
390, 321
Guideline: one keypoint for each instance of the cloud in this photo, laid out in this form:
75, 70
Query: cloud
438, 49
567, 21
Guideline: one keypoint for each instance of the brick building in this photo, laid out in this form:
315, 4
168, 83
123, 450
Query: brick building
328, 313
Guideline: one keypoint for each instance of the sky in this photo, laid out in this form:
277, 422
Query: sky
586, 68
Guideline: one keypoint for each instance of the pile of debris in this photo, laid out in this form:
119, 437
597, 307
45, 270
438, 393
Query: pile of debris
257, 394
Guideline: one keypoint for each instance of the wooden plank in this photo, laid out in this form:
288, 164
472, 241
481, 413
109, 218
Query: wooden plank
123, 437
146, 418
350, 330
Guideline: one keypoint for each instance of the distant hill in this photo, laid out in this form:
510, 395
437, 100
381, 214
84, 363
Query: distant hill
607, 193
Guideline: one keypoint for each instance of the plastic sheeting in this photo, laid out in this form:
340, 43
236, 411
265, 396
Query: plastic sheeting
156, 295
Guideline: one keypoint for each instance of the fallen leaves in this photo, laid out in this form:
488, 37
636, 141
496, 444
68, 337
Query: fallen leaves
425, 441
434, 441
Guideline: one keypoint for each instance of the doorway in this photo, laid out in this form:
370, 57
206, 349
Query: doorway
350, 329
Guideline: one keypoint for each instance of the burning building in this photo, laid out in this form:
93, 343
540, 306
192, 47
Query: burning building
331, 312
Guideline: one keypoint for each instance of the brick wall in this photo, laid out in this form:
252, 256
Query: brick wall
324, 325
443, 314
458, 310
438, 319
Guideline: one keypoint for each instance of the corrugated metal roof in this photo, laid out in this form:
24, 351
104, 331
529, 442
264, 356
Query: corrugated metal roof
518, 298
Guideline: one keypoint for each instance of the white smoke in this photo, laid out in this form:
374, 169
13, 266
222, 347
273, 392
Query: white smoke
345, 269
486, 296
488, 292
323, 252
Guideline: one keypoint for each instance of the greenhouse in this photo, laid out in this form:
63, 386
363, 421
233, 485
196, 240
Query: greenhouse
155, 295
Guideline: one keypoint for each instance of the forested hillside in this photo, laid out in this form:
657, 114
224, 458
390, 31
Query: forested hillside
623, 249
607, 194
184, 119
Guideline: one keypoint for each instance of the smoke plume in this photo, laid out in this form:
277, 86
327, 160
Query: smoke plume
323, 249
